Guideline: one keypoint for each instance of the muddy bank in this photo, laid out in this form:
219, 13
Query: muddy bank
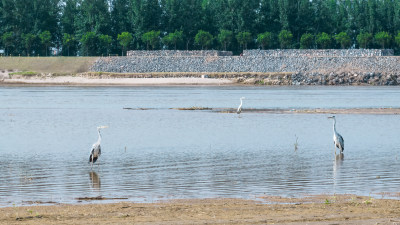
323, 209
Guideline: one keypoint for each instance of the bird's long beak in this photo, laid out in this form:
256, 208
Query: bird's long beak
102, 127
330, 117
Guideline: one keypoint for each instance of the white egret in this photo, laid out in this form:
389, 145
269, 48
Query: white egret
337, 138
96, 148
239, 110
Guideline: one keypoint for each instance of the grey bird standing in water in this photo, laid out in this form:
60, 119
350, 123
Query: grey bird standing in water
337, 138
96, 148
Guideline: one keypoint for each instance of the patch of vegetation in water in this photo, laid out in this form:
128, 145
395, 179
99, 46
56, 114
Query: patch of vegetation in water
194, 108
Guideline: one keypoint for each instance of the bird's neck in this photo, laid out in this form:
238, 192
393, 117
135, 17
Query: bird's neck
334, 125
241, 102
98, 140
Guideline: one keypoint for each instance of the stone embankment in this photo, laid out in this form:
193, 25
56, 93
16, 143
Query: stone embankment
273, 67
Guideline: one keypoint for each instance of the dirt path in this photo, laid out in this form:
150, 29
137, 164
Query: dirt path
339, 209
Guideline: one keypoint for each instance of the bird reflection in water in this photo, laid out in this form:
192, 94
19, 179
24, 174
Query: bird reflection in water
339, 158
337, 164
94, 181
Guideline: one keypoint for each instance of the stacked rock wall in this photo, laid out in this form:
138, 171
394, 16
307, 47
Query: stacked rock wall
319, 52
178, 53
334, 68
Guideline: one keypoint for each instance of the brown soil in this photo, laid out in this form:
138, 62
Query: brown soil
338, 209
53, 65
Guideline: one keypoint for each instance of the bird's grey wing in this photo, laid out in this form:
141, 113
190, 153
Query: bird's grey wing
341, 140
95, 152
95, 148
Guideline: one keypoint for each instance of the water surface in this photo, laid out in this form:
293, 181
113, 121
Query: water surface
161, 153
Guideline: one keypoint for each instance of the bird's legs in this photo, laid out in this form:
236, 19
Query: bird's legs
91, 162
334, 146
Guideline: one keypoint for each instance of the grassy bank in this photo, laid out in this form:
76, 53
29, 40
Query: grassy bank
58, 65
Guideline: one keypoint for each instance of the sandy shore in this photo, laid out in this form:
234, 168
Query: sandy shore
317, 210
70, 80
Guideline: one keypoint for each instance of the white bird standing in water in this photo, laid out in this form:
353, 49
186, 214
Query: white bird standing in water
337, 138
239, 110
96, 148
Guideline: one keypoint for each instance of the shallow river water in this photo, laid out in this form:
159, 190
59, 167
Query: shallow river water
162, 153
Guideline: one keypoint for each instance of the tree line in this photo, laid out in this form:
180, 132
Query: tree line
103, 27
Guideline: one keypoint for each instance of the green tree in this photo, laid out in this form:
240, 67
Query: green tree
94, 16
364, 39
124, 39
285, 38
89, 43
225, 38
7, 16
306, 41
172, 39
68, 41
146, 15
343, 39
265, 39
397, 39
121, 16
28, 40
323, 40
244, 38
105, 43
203, 38
268, 14
69, 17
151, 38
45, 39
35, 16
383, 38
8, 41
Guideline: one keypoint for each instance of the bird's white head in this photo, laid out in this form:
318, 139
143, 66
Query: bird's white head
242, 98
102, 127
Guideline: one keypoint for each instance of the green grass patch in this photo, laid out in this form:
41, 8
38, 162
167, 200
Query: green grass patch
25, 73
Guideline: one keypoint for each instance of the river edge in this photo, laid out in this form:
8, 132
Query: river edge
317, 210
193, 78
85, 81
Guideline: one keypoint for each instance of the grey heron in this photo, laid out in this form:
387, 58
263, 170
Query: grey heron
96, 148
337, 138
239, 110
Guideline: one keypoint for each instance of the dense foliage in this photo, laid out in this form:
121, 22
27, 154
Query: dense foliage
102, 27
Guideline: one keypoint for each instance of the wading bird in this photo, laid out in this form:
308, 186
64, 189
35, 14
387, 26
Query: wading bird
337, 138
239, 110
96, 149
